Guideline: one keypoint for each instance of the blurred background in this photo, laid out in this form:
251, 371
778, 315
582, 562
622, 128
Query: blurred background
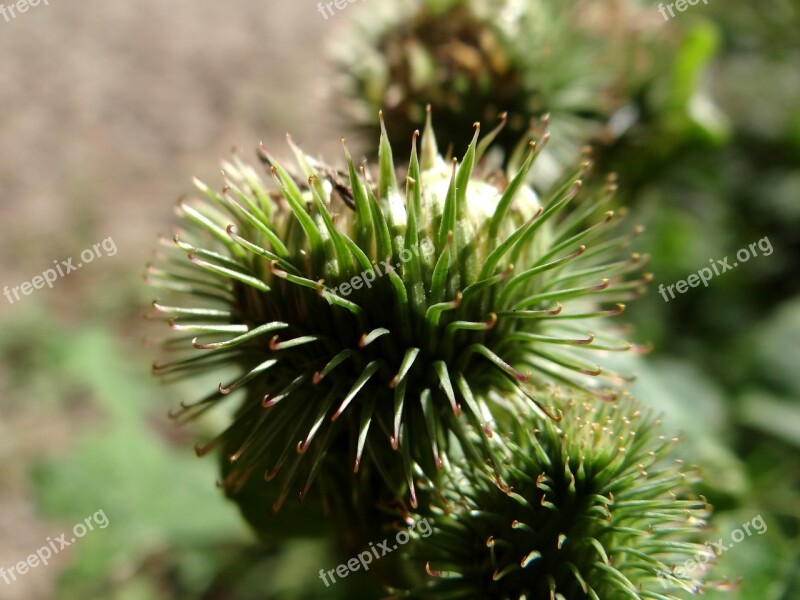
109, 110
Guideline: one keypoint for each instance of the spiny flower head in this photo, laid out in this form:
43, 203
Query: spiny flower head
381, 321
593, 507
473, 60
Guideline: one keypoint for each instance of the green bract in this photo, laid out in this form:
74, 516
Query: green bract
593, 507
465, 293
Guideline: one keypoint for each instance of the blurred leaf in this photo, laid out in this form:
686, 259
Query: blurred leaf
770, 353
689, 107
152, 494
772, 415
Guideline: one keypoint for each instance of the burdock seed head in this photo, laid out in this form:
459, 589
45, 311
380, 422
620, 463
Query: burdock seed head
387, 317
594, 507
578, 60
